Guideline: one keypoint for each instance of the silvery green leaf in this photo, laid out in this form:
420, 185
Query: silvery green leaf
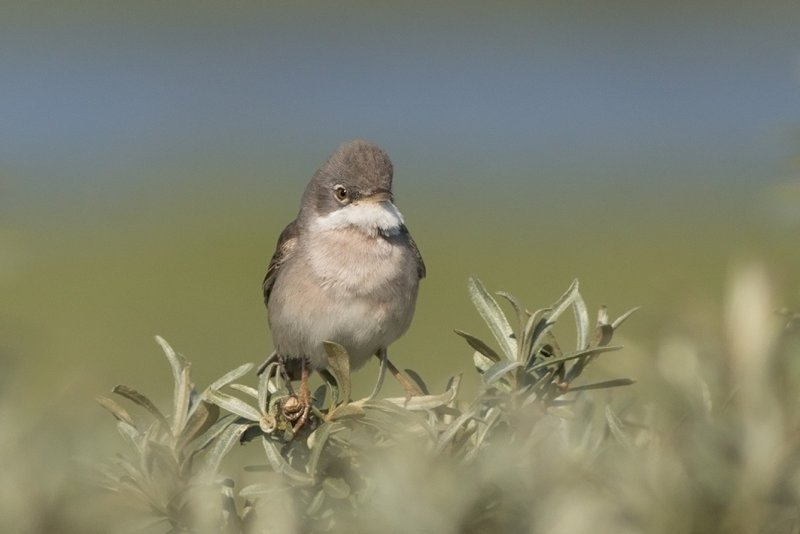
602, 316
498, 370
560, 411
339, 364
564, 301
602, 335
182, 391
265, 386
617, 382
223, 443
381, 374
336, 488
622, 318
247, 390
229, 377
489, 420
573, 355
120, 413
233, 405
423, 387
316, 503
428, 402
157, 454
131, 435
581, 321
615, 426
452, 428
351, 409
534, 327
316, 443
479, 345
203, 416
318, 397
481, 362
213, 431
280, 465
182, 398
520, 311
494, 317
144, 402
261, 489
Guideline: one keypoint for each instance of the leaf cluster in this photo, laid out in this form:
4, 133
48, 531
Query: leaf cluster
325, 475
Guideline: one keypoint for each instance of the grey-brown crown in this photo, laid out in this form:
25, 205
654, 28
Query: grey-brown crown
363, 168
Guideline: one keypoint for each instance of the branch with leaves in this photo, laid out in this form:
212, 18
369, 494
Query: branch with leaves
327, 472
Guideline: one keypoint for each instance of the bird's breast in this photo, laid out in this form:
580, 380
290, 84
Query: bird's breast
350, 260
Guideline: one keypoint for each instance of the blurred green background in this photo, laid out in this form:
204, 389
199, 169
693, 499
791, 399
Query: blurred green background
151, 152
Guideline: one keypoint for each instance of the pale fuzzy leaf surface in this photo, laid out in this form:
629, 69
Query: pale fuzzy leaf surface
494, 317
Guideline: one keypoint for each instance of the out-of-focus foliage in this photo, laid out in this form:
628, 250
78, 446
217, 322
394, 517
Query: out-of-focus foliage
332, 468
713, 447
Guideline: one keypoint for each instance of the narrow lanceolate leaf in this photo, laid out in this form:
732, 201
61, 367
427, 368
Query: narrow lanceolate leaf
602, 316
617, 382
261, 489
479, 345
581, 321
494, 317
176, 361
182, 391
573, 355
133, 395
233, 405
131, 435
615, 426
203, 416
535, 325
221, 446
316, 443
339, 364
601, 336
116, 410
247, 390
482, 363
264, 385
564, 302
622, 318
381, 374
336, 487
230, 376
280, 465
350, 409
428, 402
520, 311
413, 375
499, 370
210, 435
181, 400
450, 431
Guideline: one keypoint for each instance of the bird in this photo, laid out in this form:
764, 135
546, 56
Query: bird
345, 270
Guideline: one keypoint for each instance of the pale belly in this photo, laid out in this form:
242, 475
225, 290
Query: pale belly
355, 290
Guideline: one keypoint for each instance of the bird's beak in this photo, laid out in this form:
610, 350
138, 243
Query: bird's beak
379, 196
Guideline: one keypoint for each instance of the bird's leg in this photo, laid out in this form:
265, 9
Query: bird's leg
298, 406
286, 378
305, 397
411, 389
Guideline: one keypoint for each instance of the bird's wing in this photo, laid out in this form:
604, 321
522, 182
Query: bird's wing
284, 249
420, 264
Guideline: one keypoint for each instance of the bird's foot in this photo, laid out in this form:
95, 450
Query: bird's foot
297, 407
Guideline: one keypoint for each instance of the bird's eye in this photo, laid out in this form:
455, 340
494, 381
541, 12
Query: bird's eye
340, 192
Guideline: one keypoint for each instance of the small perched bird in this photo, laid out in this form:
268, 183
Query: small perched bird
345, 270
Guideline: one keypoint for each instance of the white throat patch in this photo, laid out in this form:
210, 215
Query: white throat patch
369, 217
